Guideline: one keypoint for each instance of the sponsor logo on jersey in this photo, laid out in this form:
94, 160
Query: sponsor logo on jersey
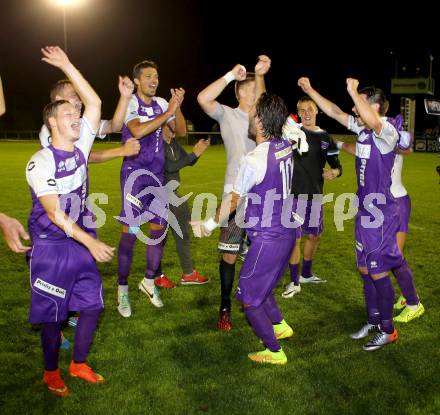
70, 164
134, 200
148, 110
283, 153
50, 288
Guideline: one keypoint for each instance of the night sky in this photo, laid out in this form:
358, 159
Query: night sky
196, 42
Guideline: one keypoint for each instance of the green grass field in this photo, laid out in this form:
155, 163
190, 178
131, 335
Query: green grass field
174, 361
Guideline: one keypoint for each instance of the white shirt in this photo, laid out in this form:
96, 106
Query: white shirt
41, 169
234, 124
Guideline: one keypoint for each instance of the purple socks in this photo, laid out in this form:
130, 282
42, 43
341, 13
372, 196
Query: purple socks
294, 273
85, 331
262, 326
307, 268
271, 309
385, 301
154, 252
404, 277
125, 257
371, 300
50, 342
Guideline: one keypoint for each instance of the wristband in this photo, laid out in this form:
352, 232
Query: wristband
210, 224
229, 77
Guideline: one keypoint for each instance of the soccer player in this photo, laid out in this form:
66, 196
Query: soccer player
409, 300
264, 179
309, 174
376, 247
176, 158
63, 271
234, 123
63, 89
145, 117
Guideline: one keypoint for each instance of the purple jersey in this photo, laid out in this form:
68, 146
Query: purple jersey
56, 172
151, 155
265, 177
374, 160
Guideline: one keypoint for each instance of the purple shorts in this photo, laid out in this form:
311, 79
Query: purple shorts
63, 277
144, 198
264, 265
311, 212
376, 248
404, 204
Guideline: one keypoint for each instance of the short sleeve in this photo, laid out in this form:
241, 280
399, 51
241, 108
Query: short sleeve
100, 134
405, 140
163, 103
132, 110
218, 112
44, 135
386, 140
86, 137
353, 126
252, 170
40, 173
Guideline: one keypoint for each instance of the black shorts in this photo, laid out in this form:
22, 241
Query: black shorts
231, 236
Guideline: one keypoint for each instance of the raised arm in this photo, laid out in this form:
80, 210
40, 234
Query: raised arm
126, 88
2, 99
180, 119
99, 250
370, 117
261, 69
207, 97
55, 56
140, 129
326, 106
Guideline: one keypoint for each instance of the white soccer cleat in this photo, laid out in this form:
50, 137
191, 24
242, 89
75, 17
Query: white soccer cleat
152, 293
291, 290
124, 306
314, 279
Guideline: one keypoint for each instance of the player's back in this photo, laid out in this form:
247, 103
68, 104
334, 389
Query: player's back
266, 198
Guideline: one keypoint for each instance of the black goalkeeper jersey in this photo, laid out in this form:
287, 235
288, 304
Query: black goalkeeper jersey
308, 168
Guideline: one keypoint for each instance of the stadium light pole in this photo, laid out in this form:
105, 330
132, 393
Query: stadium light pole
64, 4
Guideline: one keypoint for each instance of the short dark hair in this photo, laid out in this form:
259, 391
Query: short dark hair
57, 87
142, 65
376, 96
50, 110
272, 114
250, 76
